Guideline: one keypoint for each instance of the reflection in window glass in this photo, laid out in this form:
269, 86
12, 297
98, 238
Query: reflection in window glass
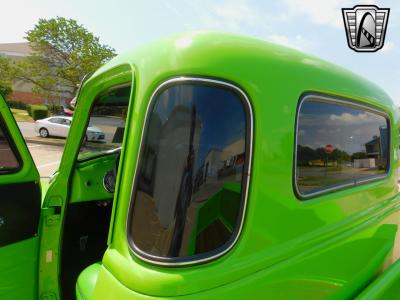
56, 120
8, 161
107, 123
338, 145
187, 199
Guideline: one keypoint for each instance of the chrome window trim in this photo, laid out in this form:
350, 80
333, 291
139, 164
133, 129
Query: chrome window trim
163, 261
316, 97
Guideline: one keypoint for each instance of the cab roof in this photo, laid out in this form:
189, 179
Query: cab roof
243, 60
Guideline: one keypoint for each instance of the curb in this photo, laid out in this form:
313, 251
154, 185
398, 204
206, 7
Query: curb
50, 142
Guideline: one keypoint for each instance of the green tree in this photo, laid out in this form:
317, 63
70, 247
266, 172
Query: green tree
359, 155
5, 76
63, 52
306, 154
339, 156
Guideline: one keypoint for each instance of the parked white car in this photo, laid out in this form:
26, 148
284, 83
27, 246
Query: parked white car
59, 126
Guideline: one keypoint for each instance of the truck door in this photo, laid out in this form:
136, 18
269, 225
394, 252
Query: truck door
20, 202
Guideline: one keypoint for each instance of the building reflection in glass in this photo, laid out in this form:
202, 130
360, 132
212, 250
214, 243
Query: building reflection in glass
189, 183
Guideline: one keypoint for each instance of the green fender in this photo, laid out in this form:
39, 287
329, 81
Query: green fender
87, 282
386, 286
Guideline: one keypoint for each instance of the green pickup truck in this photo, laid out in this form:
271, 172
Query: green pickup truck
231, 168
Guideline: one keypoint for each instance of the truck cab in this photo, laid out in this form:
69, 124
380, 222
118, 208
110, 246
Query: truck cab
230, 167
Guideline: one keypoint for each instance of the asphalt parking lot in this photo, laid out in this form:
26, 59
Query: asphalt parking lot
47, 157
27, 129
47, 152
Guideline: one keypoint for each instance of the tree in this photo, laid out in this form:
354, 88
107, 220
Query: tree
359, 155
306, 154
63, 52
5, 76
339, 156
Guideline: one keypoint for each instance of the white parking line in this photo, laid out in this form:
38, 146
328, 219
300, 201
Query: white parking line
49, 164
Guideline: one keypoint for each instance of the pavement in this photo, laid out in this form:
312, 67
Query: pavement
46, 153
27, 129
46, 157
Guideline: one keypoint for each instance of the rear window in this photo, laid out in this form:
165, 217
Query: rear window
339, 144
8, 159
189, 194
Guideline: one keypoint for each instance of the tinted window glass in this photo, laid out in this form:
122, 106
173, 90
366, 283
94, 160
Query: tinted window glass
188, 194
56, 120
8, 160
338, 144
107, 122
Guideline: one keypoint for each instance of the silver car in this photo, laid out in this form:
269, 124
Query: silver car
59, 126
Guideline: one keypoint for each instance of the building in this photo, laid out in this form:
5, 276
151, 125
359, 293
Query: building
22, 91
377, 147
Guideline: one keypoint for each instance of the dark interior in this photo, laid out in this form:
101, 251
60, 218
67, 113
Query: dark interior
85, 240
19, 219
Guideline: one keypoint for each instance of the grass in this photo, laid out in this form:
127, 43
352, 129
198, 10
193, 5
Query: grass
21, 115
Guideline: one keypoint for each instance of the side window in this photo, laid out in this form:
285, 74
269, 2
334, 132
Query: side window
107, 122
56, 120
8, 159
66, 122
189, 195
339, 144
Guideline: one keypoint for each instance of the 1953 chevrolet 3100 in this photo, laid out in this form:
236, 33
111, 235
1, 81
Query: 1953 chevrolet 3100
231, 168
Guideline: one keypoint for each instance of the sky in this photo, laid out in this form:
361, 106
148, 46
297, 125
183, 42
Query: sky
312, 26
321, 124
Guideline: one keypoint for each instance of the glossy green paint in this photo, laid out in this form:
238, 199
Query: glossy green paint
87, 180
87, 282
386, 286
60, 189
332, 246
18, 261
18, 266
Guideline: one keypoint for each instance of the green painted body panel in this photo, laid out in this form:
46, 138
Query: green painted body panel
86, 282
44, 184
386, 286
87, 182
332, 246
18, 266
60, 190
18, 261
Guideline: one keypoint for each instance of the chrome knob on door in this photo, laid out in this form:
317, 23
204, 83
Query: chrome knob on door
2, 221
